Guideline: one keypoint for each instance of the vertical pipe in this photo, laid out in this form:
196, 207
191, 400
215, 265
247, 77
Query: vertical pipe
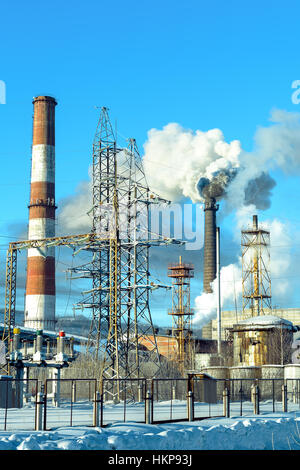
40, 283
218, 288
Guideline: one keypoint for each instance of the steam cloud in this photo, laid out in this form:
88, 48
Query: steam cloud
198, 165
181, 163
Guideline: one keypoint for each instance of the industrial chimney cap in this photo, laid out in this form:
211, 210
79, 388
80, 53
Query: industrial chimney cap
44, 98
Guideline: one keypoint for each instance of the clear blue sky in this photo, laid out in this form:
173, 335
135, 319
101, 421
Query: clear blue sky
201, 64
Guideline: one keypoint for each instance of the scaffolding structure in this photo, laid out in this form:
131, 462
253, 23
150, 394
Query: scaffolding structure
181, 311
256, 281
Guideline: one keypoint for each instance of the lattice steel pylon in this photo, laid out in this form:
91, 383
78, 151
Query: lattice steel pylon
181, 311
119, 243
256, 281
119, 298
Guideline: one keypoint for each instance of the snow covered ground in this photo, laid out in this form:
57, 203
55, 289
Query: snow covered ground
267, 431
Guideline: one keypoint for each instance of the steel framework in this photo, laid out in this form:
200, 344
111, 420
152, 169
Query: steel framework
119, 244
181, 311
119, 298
87, 241
256, 281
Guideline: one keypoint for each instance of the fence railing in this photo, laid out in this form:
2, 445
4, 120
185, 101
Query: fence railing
32, 404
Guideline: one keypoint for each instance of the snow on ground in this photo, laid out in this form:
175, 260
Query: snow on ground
267, 431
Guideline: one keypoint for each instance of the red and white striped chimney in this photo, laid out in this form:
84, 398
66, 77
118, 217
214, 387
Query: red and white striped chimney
40, 285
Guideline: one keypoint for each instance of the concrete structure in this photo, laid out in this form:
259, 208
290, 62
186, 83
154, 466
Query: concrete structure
231, 317
40, 285
265, 339
292, 371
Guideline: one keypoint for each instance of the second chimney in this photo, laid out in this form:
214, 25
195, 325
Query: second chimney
210, 253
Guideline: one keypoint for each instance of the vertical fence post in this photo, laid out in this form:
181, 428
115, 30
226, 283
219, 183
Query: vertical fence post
73, 392
190, 405
101, 409
255, 398
39, 411
44, 389
226, 403
140, 393
96, 409
148, 407
284, 398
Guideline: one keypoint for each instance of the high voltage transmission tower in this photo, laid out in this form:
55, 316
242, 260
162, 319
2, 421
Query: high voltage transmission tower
119, 244
119, 269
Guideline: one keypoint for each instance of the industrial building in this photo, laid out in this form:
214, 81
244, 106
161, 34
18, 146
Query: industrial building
121, 332
231, 317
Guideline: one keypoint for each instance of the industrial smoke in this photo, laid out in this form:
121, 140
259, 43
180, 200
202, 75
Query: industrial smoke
184, 164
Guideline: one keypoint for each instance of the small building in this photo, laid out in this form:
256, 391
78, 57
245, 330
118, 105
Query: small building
167, 345
265, 339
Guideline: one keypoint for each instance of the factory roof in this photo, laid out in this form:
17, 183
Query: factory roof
266, 321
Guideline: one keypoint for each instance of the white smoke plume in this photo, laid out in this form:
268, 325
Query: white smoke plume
175, 159
231, 289
178, 162
181, 163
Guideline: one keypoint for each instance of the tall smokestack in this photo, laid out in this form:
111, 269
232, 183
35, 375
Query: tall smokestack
40, 285
210, 254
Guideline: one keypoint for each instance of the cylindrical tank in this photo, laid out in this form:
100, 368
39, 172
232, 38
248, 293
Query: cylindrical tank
220, 373
248, 374
291, 371
292, 380
272, 379
217, 372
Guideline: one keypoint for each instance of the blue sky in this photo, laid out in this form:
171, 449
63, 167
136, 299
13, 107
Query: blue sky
201, 64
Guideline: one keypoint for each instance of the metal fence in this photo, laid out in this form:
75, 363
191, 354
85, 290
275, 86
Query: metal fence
16, 395
31, 404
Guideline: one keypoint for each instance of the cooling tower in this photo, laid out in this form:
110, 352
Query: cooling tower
40, 284
210, 249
